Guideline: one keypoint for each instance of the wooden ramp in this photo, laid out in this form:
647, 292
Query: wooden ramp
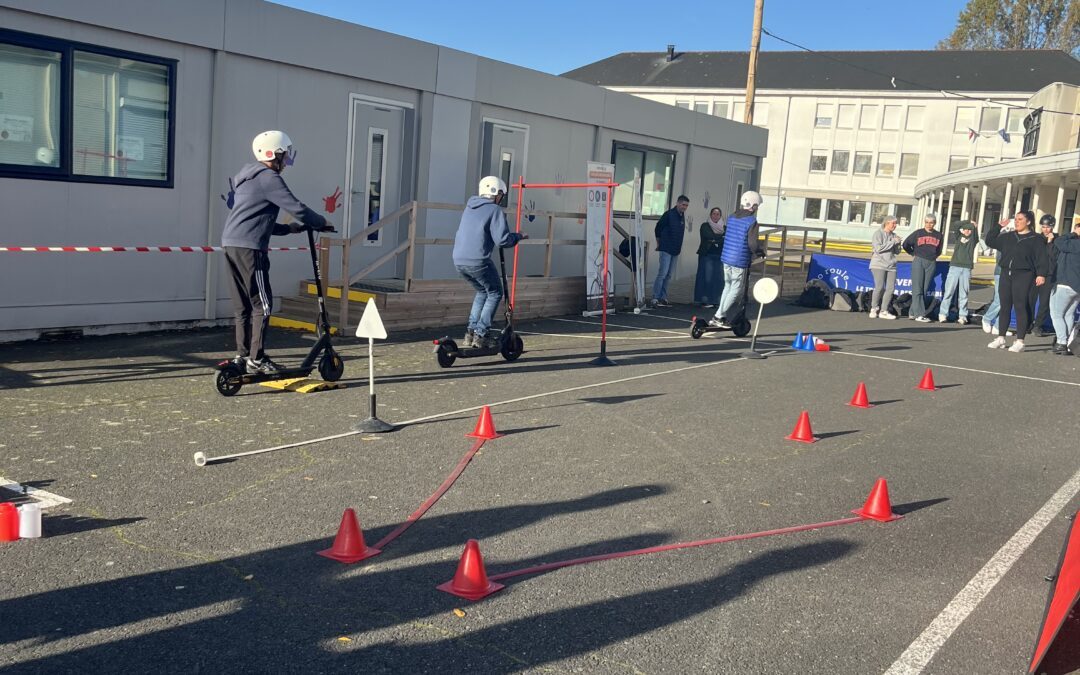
432, 303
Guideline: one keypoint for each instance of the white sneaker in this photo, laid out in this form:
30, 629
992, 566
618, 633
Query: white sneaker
874, 313
998, 343
1017, 346
886, 315
922, 319
962, 321
942, 318
987, 328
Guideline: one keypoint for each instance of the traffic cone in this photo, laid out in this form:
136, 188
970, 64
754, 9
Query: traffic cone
802, 433
471, 580
808, 343
9, 522
860, 399
877, 506
798, 341
485, 426
820, 345
349, 543
927, 383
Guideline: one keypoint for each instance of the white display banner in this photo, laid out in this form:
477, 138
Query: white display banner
596, 212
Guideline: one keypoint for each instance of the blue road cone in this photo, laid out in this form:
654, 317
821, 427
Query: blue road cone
808, 343
797, 343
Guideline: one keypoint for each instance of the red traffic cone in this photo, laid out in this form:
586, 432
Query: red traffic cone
927, 382
349, 543
877, 506
485, 426
471, 580
9, 522
820, 345
802, 433
860, 400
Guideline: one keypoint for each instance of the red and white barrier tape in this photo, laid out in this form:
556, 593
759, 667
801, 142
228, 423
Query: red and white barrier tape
129, 249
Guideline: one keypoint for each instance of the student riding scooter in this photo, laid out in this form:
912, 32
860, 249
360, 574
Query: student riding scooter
739, 324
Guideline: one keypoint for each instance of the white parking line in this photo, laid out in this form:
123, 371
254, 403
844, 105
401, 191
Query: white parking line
970, 370
683, 333
45, 499
916, 657
597, 337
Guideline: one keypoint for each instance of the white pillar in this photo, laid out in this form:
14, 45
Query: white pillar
1035, 201
1059, 208
1019, 198
964, 205
947, 221
1005, 202
982, 210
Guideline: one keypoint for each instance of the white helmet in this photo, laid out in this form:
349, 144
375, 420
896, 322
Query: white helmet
491, 186
270, 143
749, 200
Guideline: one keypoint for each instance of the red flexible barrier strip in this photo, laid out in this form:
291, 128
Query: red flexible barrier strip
668, 547
446, 485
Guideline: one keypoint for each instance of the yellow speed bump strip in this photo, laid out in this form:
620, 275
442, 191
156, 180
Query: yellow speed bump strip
302, 385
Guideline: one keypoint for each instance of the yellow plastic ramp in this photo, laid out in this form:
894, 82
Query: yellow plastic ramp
303, 385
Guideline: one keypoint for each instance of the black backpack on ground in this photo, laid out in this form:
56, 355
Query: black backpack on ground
816, 295
843, 300
862, 300
932, 308
900, 305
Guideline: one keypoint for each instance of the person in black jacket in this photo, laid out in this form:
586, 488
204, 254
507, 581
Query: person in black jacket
710, 269
1023, 263
1066, 296
1042, 293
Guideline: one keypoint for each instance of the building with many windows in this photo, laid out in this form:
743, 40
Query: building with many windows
851, 134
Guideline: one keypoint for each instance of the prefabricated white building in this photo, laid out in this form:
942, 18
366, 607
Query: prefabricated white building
121, 123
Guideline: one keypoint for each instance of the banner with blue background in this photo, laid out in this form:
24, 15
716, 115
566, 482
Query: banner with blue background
853, 274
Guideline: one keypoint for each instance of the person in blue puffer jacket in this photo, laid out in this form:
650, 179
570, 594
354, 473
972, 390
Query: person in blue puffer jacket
741, 248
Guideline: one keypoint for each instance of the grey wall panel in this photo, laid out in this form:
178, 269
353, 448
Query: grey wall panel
446, 172
457, 73
504, 85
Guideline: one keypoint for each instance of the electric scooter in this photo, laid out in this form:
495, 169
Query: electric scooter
231, 374
739, 324
510, 343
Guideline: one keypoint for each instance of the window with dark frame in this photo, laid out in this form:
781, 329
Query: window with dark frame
85, 113
657, 169
1031, 132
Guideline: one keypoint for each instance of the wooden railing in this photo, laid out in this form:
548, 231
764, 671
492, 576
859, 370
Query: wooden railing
784, 242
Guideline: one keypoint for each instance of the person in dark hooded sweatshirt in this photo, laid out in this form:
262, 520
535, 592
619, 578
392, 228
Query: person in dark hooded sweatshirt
259, 195
482, 228
1066, 295
1023, 262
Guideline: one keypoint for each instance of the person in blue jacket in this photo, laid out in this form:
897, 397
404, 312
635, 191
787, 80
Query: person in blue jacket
1066, 295
741, 247
669, 239
482, 228
259, 194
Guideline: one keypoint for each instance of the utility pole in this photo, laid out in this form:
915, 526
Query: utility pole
751, 75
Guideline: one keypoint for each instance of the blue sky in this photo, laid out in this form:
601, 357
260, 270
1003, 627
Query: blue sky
559, 35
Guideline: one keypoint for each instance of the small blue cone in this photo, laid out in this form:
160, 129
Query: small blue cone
808, 343
797, 344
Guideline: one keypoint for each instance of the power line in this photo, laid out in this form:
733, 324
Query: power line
919, 85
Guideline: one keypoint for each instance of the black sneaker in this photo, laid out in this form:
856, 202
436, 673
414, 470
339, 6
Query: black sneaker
263, 366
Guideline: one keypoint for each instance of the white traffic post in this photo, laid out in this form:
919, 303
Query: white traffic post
371, 327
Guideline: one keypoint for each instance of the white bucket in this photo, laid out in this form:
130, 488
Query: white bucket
30, 521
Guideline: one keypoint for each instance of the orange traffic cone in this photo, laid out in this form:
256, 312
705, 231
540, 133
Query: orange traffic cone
349, 543
802, 433
860, 400
471, 580
877, 506
927, 382
9, 522
485, 426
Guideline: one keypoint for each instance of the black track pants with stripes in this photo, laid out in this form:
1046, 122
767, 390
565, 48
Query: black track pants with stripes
253, 301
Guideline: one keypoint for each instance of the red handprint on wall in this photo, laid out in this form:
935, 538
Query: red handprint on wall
333, 202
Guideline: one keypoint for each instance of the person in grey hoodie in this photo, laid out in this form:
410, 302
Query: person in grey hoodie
482, 228
959, 277
884, 246
259, 195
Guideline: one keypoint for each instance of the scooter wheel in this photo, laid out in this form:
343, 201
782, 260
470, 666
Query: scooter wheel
444, 356
331, 367
742, 328
227, 380
697, 330
514, 348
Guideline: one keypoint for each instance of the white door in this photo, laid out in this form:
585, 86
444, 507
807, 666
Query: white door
375, 180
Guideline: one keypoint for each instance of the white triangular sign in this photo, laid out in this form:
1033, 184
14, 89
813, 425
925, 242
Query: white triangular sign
371, 325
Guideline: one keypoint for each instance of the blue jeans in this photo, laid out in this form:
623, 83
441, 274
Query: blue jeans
1063, 302
734, 279
958, 278
485, 279
663, 275
710, 279
991, 314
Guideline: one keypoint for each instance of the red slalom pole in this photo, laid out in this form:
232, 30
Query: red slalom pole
517, 228
603, 360
671, 547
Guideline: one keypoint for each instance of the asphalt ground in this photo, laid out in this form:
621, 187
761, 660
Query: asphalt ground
159, 564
